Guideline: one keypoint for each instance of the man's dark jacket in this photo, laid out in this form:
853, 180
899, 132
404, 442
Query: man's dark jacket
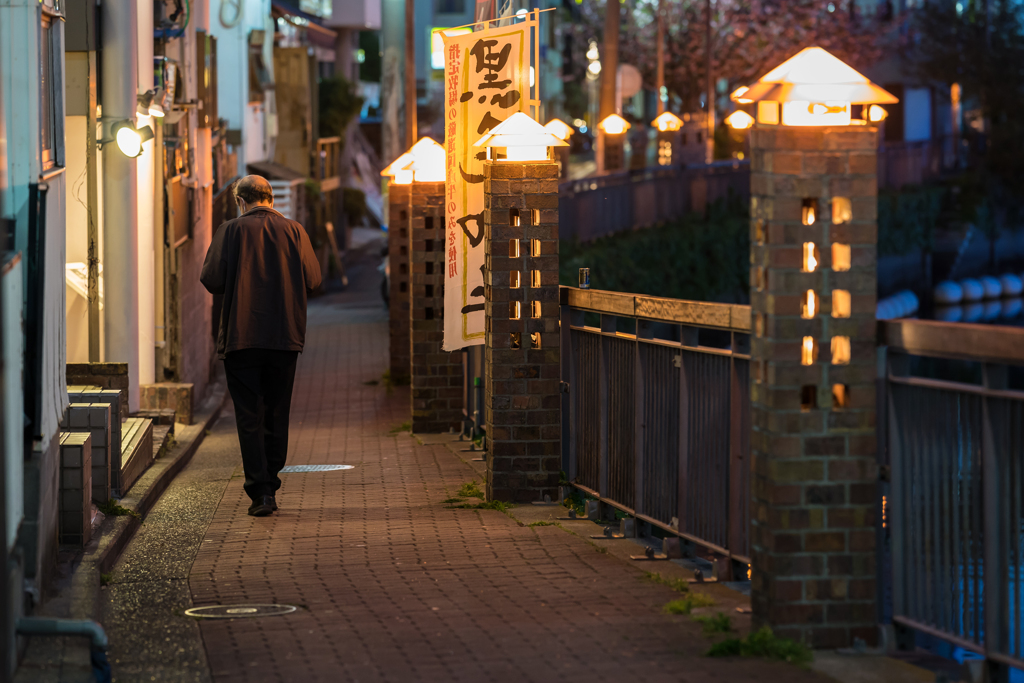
264, 266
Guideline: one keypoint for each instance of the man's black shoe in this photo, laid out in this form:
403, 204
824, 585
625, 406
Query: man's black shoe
262, 506
273, 503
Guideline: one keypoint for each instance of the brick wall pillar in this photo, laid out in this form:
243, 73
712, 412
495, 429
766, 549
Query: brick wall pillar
813, 372
521, 400
399, 198
436, 374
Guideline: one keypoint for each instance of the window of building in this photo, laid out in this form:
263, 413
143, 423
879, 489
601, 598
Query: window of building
51, 128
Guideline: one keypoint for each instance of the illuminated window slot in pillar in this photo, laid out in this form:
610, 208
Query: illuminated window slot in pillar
809, 211
759, 231
810, 260
841, 303
840, 350
840, 396
810, 305
535, 340
534, 309
842, 210
513, 217
840, 257
808, 351
535, 278
513, 279
534, 247
514, 340
513, 248
515, 310
534, 216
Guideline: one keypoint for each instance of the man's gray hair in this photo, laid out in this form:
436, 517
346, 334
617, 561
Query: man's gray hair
253, 189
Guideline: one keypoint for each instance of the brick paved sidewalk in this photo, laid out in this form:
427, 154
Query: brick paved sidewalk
394, 586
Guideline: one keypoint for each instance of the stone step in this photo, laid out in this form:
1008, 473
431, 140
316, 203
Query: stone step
136, 450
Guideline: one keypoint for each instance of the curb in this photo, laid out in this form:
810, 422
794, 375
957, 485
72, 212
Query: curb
115, 533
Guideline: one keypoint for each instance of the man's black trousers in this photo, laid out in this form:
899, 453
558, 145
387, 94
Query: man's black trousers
260, 382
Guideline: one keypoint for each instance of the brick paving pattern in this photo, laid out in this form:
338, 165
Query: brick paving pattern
393, 586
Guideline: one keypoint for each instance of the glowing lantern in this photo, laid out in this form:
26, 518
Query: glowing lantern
523, 139
402, 163
739, 120
876, 113
428, 159
614, 125
815, 89
559, 129
667, 122
738, 95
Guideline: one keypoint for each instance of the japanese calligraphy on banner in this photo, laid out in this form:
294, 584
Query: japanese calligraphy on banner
487, 79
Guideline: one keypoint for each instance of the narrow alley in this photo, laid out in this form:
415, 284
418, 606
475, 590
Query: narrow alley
390, 582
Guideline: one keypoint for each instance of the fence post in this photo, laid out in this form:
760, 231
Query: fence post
603, 390
435, 375
643, 331
522, 338
399, 198
995, 537
813, 444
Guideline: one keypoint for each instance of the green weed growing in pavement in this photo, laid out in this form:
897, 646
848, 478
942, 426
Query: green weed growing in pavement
470, 490
542, 523
112, 509
105, 579
404, 427
679, 585
451, 501
714, 623
687, 604
498, 505
763, 643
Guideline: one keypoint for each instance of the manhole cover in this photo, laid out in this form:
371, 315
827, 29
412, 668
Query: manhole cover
315, 468
239, 611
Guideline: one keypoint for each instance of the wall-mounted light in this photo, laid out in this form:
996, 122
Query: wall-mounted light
129, 139
149, 104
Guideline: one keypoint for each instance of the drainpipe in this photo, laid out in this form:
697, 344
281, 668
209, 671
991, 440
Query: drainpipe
146, 231
41, 626
120, 193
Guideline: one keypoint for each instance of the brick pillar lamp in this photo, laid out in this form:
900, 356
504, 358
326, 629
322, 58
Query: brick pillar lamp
614, 128
563, 131
669, 149
399, 198
521, 399
813, 288
436, 376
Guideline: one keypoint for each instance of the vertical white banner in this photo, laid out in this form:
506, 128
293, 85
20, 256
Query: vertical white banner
487, 79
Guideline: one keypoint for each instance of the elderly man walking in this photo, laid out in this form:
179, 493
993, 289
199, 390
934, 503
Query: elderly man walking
263, 264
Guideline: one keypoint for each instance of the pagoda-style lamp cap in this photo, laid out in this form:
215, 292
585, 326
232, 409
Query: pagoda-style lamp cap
739, 120
559, 128
399, 169
815, 88
667, 122
614, 124
428, 161
523, 138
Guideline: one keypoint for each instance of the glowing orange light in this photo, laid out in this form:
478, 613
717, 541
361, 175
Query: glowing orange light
808, 351
810, 257
614, 125
876, 113
739, 120
559, 129
523, 139
667, 122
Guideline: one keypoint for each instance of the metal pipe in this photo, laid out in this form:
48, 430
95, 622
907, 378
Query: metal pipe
410, 73
710, 108
660, 77
41, 626
120, 188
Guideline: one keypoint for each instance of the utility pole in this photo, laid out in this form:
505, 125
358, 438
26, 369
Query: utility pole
710, 105
610, 63
660, 78
410, 73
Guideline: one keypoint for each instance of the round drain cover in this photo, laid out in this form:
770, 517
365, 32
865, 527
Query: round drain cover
315, 468
239, 611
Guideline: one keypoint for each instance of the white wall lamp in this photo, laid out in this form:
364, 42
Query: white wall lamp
129, 139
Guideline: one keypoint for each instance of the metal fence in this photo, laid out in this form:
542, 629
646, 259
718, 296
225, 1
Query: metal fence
953, 435
603, 205
658, 412
915, 163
